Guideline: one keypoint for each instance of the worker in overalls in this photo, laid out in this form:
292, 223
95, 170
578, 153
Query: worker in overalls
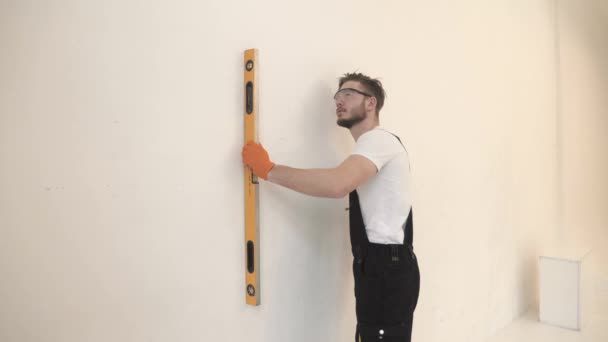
376, 177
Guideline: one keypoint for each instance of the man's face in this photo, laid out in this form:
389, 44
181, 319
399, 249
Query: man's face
350, 104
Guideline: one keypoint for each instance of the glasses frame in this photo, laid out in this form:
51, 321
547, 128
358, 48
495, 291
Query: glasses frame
353, 89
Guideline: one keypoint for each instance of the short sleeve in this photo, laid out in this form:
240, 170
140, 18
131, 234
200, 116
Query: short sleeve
379, 146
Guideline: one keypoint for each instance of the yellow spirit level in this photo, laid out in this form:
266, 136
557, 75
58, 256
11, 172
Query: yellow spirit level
252, 234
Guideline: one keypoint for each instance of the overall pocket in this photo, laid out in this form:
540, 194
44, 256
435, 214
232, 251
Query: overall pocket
368, 293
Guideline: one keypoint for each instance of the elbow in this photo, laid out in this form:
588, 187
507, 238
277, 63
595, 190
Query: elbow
342, 185
340, 191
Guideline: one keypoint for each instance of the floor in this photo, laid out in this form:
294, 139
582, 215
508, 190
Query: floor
527, 328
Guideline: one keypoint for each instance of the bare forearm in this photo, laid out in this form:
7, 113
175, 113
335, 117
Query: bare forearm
313, 182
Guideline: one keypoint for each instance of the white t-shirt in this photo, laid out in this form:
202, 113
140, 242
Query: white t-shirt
385, 198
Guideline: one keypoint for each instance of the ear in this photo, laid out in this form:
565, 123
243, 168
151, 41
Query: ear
371, 105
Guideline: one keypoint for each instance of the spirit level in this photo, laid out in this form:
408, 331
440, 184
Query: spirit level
252, 234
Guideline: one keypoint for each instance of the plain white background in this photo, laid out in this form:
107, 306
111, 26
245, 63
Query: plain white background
121, 199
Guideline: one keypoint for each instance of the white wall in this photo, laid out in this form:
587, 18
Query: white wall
121, 183
583, 85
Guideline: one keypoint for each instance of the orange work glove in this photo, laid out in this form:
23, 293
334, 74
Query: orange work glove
257, 159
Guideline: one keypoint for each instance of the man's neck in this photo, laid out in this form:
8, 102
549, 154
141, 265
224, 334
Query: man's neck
362, 127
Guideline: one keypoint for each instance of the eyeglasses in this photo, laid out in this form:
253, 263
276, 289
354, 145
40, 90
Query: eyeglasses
346, 93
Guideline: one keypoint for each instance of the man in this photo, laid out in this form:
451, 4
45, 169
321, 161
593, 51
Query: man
376, 176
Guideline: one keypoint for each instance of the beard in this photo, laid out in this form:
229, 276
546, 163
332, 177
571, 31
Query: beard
358, 115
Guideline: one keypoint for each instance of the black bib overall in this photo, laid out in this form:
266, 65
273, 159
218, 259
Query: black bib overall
387, 282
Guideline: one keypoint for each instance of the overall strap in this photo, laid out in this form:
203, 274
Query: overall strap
408, 229
358, 235
408, 226
397, 139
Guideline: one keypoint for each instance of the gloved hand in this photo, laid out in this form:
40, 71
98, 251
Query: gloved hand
257, 159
